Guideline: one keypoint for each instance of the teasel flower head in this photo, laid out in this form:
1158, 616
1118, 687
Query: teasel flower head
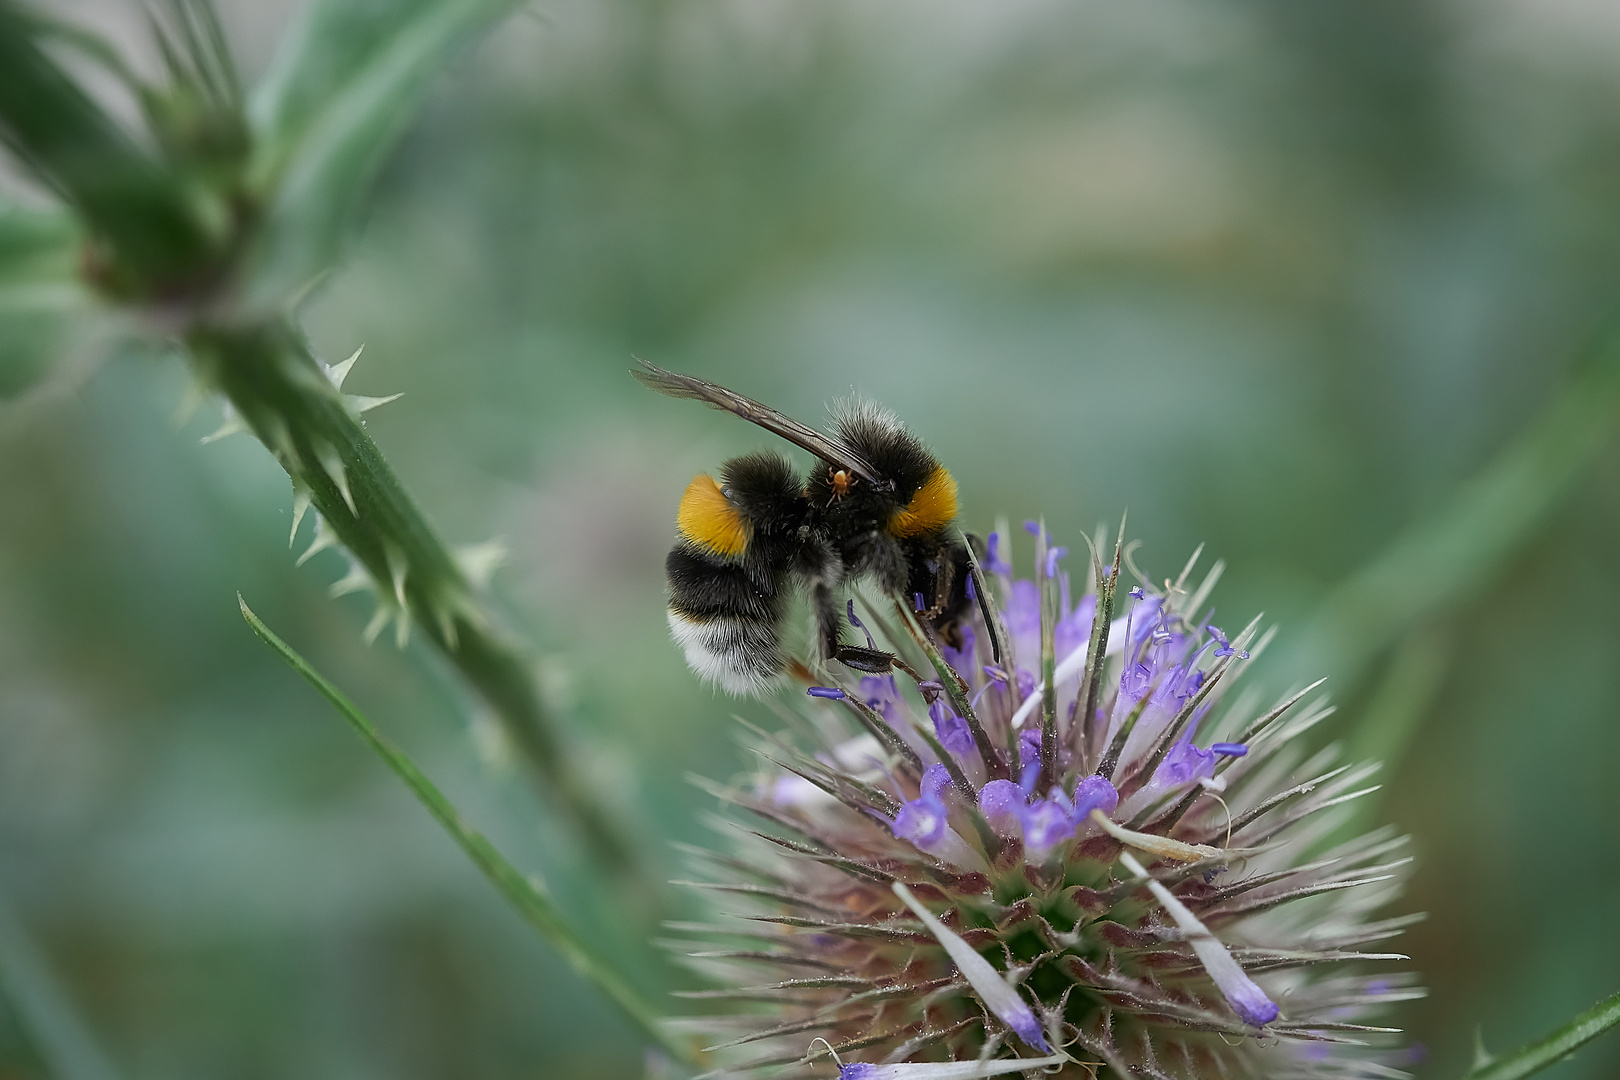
1061, 843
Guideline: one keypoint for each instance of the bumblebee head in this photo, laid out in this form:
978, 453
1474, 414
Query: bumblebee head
923, 499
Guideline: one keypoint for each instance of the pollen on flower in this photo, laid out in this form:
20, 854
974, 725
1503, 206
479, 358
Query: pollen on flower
941, 904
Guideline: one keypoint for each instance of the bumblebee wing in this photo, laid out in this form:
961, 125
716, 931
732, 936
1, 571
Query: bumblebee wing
712, 394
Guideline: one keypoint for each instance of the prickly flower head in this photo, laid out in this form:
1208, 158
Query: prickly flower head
1060, 843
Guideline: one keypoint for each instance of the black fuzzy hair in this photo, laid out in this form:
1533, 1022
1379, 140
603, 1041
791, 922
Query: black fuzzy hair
878, 435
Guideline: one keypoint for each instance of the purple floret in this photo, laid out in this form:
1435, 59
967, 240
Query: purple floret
951, 729
1001, 801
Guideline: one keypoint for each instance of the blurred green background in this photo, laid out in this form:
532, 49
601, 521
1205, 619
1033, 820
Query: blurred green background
1274, 276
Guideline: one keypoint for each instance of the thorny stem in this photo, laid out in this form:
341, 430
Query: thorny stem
170, 222
279, 390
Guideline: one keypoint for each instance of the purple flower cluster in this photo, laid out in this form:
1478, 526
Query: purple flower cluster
1104, 807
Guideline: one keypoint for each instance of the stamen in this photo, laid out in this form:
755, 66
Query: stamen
919, 603
998, 996
1137, 593
1052, 558
1027, 778
857, 624
1246, 999
1226, 645
992, 555
826, 692
1229, 749
1162, 846
947, 1070
830, 1052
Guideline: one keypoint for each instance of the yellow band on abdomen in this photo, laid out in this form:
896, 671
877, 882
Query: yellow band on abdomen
708, 519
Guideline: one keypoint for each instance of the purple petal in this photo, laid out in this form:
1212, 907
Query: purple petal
1046, 824
1001, 801
935, 779
1029, 747
922, 821
1093, 793
1023, 611
951, 729
1250, 1002
1184, 764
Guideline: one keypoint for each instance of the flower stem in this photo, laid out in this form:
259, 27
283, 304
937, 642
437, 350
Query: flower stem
1550, 1049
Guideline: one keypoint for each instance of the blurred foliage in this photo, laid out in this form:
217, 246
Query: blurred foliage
341, 91
1281, 278
39, 292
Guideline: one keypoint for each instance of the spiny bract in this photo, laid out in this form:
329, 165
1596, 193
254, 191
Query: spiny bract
1122, 876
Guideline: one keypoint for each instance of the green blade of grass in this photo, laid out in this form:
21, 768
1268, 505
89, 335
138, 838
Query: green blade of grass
1449, 555
535, 907
1533, 1057
50, 1023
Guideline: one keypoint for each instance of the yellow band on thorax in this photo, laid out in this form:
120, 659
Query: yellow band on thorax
931, 509
708, 519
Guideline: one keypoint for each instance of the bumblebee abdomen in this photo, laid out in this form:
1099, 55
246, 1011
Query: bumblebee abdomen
725, 619
710, 521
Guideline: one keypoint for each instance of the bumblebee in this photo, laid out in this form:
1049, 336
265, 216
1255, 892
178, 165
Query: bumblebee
876, 506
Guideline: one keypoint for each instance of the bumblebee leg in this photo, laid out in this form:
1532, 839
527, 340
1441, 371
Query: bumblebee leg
943, 577
873, 661
828, 634
859, 657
